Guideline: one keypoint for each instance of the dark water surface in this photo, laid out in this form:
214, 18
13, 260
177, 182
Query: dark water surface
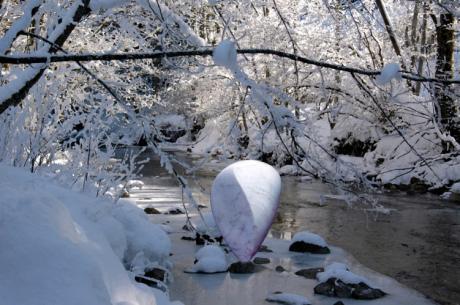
418, 243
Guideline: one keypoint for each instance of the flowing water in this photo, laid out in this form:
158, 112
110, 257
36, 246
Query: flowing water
418, 243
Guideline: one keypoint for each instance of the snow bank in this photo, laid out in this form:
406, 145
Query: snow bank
142, 235
61, 247
309, 238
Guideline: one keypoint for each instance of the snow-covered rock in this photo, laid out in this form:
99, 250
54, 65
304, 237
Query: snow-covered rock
309, 242
310, 238
244, 200
134, 184
338, 281
210, 251
209, 259
288, 298
455, 188
288, 170
340, 271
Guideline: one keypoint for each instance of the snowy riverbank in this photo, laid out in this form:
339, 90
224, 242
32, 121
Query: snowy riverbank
61, 247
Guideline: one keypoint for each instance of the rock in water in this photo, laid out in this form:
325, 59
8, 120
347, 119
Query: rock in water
309, 273
261, 261
334, 287
300, 246
151, 210
244, 200
309, 242
240, 267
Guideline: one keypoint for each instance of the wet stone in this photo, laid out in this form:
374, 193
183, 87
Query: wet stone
264, 248
202, 239
240, 267
364, 292
280, 269
334, 287
186, 228
261, 260
303, 247
149, 282
175, 212
189, 238
156, 273
151, 210
309, 273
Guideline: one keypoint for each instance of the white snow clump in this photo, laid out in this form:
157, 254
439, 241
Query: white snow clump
309, 238
225, 55
210, 259
340, 271
389, 72
288, 298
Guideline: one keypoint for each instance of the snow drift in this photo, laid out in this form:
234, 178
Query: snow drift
60, 247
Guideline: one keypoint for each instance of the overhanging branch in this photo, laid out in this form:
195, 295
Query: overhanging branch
16, 60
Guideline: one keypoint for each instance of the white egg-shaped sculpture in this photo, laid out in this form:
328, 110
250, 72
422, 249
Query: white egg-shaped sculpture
244, 199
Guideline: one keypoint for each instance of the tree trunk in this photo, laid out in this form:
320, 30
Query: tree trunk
423, 49
391, 33
446, 111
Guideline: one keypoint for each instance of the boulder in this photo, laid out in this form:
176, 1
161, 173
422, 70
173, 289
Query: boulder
303, 247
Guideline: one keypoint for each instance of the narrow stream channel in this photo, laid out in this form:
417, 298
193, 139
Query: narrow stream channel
418, 243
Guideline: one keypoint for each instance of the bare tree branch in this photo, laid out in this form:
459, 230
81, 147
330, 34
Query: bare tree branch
17, 60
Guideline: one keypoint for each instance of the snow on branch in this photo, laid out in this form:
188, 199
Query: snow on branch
15, 60
168, 17
14, 92
30, 9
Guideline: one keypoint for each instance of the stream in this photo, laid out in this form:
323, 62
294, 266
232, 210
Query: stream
417, 243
